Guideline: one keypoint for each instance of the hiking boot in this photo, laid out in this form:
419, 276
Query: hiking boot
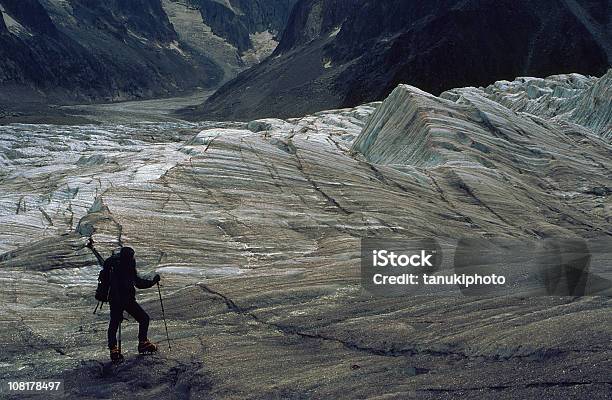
115, 354
146, 347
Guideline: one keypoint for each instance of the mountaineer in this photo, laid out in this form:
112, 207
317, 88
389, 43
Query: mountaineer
118, 279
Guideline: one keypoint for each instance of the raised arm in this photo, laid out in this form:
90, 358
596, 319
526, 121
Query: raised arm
95, 252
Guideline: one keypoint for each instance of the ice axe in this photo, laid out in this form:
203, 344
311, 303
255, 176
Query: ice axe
163, 315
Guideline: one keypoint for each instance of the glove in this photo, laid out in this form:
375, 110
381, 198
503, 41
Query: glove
90, 243
156, 278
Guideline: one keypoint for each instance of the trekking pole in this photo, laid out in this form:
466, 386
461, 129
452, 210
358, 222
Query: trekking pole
163, 315
121, 322
96, 309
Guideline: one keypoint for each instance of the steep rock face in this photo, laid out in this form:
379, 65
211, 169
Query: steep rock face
337, 53
85, 50
144, 18
312, 19
3, 28
482, 40
237, 20
236, 34
31, 14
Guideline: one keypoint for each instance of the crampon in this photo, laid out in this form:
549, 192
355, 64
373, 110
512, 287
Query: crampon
115, 355
146, 347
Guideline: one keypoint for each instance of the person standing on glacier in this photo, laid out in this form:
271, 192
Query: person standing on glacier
120, 270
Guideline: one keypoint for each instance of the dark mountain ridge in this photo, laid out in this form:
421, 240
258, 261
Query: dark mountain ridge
56, 51
338, 53
112, 50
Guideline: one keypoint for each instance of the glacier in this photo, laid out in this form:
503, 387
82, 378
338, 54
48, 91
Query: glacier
255, 228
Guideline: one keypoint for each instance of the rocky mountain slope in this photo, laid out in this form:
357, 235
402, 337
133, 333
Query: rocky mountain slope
338, 53
236, 33
255, 228
82, 50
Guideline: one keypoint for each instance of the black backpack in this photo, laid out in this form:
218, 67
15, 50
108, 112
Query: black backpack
104, 280
103, 289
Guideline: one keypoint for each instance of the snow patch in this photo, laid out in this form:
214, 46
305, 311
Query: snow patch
264, 44
13, 26
142, 39
175, 46
335, 32
200, 272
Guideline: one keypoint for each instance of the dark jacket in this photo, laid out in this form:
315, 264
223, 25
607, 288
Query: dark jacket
124, 278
